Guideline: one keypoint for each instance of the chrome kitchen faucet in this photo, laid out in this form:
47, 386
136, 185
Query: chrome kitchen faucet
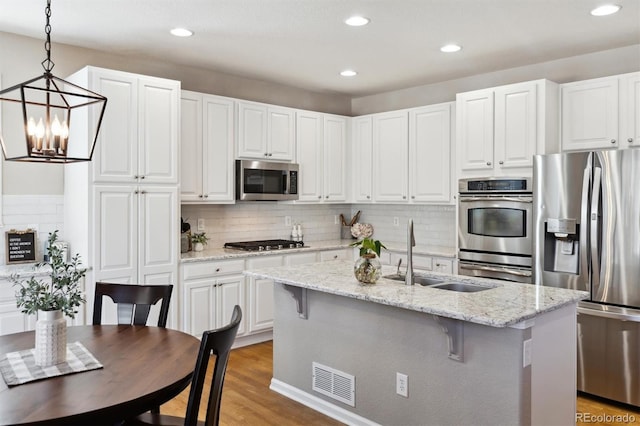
411, 241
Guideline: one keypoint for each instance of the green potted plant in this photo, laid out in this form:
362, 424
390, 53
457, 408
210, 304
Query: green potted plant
50, 301
367, 268
199, 241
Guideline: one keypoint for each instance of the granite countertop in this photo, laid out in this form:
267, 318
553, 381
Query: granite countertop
506, 304
219, 253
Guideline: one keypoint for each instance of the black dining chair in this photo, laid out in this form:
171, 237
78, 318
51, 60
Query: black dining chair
217, 342
134, 302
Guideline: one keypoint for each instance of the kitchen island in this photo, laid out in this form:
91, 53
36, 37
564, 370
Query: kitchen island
502, 356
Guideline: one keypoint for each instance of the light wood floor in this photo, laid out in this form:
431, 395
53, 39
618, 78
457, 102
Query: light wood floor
247, 399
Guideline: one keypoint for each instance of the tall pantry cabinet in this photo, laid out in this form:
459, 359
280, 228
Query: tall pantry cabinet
122, 208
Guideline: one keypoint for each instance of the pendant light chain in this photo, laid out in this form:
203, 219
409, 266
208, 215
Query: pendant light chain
48, 64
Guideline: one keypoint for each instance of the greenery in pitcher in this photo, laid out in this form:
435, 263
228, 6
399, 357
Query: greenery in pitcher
63, 293
200, 238
369, 245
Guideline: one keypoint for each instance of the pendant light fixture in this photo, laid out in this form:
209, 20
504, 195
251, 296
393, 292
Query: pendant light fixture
38, 125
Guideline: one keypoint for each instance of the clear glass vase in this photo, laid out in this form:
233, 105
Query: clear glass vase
367, 268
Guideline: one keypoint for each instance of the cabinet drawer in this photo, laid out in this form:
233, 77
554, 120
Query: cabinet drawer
208, 269
443, 265
335, 254
419, 262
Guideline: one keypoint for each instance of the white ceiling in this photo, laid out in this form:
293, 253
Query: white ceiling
304, 43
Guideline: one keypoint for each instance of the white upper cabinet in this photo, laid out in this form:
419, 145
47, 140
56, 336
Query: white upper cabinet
362, 155
498, 130
207, 148
322, 154
430, 153
601, 113
390, 155
138, 140
265, 132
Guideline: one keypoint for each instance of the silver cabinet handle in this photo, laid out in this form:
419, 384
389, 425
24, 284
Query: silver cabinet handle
630, 140
500, 162
206, 196
613, 141
492, 269
488, 163
524, 199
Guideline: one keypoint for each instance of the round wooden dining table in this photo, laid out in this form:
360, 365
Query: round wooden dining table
143, 367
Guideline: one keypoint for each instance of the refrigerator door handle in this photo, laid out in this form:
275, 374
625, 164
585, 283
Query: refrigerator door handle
594, 216
497, 269
586, 180
621, 315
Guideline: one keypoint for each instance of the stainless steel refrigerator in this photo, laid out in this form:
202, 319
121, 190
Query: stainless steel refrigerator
587, 237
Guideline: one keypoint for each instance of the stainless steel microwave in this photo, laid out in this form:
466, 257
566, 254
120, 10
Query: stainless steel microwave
266, 181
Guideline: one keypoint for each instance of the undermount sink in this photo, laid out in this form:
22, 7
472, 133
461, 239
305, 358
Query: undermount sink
416, 279
461, 287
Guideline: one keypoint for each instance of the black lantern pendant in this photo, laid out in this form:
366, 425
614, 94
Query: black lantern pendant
46, 104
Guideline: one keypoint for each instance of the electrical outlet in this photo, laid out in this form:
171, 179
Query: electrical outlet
402, 385
200, 224
396, 221
287, 220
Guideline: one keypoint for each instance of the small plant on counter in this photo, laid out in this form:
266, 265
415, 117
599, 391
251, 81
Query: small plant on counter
369, 245
200, 238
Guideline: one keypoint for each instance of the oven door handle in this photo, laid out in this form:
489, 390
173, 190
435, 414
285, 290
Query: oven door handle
527, 199
495, 269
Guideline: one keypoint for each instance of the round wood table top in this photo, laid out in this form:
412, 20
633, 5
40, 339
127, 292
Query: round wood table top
143, 368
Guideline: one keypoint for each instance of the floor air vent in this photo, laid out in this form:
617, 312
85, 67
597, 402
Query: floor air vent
335, 384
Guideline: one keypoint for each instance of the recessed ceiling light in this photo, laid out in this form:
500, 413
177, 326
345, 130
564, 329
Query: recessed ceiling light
348, 73
606, 9
450, 48
181, 32
357, 21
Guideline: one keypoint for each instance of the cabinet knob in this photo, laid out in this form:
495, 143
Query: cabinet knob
206, 196
319, 197
404, 197
327, 197
500, 162
136, 191
413, 197
335, 256
368, 197
217, 269
630, 140
270, 154
136, 177
613, 141
142, 177
200, 196
143, 192
488, 163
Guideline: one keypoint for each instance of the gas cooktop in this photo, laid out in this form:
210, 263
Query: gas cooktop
264, 245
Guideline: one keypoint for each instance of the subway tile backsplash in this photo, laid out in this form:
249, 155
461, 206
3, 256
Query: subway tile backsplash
44, 213
433, 225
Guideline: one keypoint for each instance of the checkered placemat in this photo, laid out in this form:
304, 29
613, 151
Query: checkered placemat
20, 367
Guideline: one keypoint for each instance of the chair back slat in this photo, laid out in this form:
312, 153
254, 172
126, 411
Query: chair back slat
133, 302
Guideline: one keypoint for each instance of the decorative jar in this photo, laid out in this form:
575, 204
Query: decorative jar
367, 268
51, 338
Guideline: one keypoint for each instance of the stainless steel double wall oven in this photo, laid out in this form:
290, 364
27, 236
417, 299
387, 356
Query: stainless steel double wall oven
495, 221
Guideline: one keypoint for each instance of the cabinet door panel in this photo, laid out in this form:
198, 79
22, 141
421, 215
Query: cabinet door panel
362, 159
158, 131
390, 156
590, 114
202, 302
281, 134
159, 231
631, 110
475, 130
116, 222
309, 135
231, 292
218, 144
191, 156
430, 154
261, 305
252, 131
335, 159
515, 125
116, 152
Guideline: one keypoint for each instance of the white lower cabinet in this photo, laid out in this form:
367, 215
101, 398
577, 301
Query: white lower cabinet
261, 294
210, 291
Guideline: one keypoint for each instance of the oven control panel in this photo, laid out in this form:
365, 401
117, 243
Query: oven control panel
494, 185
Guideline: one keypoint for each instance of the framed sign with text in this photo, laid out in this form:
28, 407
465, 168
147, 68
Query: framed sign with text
21, 246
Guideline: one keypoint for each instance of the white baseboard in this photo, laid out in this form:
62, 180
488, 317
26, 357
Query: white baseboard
252, 339
320, 405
